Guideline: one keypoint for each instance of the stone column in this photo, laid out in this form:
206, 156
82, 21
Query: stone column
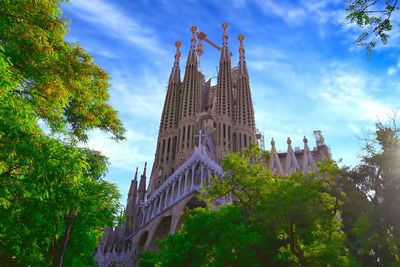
173, 191
166, 198
186, 175
201, 176
179, 187
160, 202
193, 168
154, 208
143, 216
148, 214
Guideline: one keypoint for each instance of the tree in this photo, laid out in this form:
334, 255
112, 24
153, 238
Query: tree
374, 17
371, 211
59, 80
54, 201
275, 221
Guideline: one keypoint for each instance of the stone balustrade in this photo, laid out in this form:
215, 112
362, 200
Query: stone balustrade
189, 177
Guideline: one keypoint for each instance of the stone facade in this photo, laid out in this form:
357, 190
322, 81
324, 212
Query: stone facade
200, 123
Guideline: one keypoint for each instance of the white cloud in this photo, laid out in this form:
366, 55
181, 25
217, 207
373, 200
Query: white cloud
97, 49
354, 128
320, 11
350, 94
113, 21
141, 95
393, 69
289, 13
123, 154
265, 51
106, 53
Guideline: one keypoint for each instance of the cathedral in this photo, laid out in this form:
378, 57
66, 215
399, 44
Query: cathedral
200, 123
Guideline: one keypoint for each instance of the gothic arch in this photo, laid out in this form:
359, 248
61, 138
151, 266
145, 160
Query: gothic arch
192, 203
163, 228
143, 240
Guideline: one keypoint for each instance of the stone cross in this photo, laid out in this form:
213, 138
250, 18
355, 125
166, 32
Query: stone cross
200, 135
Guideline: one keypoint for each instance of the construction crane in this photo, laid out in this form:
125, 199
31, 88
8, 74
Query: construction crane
202, 36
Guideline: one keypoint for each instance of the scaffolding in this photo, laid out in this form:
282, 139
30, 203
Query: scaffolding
260, 139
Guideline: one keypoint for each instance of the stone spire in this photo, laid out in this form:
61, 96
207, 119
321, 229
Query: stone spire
225, 54
291, 162
129, 212
167, 135
169, 120
190, 103
242, 61
224, 89
142, 185
308, 160
244, 104
133, 188
192, 57
274, 163
176, 72
169, 117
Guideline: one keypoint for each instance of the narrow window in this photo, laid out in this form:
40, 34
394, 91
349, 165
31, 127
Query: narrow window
158, 151
193, 136
179, 135
219, 133
234, 142
224, 131
174, 147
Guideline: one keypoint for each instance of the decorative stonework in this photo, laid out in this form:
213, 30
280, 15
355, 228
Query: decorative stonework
199, 125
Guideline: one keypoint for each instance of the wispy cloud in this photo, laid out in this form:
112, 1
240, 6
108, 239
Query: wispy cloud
123, 154
140, 95
97, 49
289, 13
394, 69
113, 21
297, 12
352, 94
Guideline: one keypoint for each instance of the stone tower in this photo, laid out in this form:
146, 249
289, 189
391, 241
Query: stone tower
223, 112
199, 124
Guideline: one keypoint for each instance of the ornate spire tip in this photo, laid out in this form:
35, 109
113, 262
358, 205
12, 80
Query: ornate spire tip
178, 44
193, 29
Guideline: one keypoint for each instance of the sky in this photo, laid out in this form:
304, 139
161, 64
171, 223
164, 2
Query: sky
305, 71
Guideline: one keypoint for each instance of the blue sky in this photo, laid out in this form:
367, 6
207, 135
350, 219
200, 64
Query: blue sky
305, 72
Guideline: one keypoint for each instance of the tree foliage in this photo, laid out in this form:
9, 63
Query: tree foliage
53, 197
374, 17
275, 221
59, 80
371, 213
